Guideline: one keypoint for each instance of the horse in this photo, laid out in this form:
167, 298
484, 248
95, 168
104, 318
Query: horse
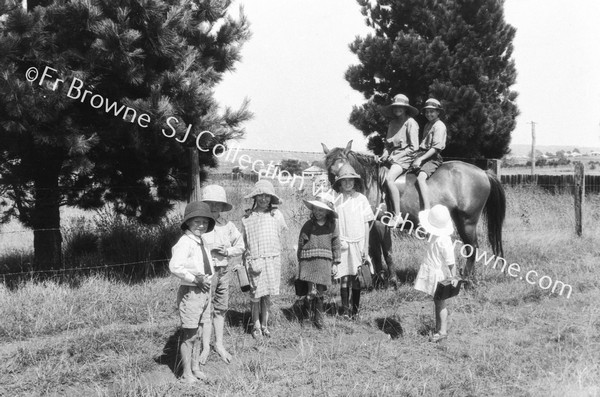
468, 191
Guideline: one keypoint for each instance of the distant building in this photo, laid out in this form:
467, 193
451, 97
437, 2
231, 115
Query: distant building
595, 153
313, 171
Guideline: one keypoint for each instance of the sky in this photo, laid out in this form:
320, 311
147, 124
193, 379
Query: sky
293, 72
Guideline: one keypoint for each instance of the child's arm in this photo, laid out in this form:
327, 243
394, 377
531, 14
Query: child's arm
412, 136
302, 239
177, 263
237, 242
336, 249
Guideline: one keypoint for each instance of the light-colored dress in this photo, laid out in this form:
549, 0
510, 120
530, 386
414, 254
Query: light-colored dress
440, 252
402, 141
262, 233
353, 213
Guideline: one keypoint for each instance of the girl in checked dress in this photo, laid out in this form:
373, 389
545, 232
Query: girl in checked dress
262, 227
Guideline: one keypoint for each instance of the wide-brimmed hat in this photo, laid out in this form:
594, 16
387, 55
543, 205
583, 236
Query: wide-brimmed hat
437, 221
400, 100
198, 208
434, 104
264, 187
346, 171
216, 194
321, 200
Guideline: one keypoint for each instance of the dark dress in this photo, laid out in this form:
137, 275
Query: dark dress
318, 249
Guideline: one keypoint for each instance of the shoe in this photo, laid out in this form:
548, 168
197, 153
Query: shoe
256, 334
266, 332
437, 337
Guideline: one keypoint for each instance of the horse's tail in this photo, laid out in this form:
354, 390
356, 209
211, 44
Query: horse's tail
495, 210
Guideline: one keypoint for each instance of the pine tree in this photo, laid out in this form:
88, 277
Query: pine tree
156, 61
458, 51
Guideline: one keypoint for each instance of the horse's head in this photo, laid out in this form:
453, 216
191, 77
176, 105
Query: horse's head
335, 158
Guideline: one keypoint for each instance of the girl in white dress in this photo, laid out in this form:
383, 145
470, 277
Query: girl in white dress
354, 214
438, 263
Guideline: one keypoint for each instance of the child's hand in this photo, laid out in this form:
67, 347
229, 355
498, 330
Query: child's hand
203, 282
221, 250
334, 269
454, 282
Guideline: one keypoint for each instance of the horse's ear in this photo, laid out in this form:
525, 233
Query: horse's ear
325, 148
348, 146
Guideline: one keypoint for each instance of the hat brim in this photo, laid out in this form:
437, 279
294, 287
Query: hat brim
388, 110
274, 198
226, 206
313, 203
201, 214
358, 181
442, 111
447, 230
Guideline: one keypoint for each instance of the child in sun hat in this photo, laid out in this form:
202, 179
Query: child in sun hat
262, 227
438, 263
428, 158
401, 142
319, 251
225, 242
354, 214
190, 262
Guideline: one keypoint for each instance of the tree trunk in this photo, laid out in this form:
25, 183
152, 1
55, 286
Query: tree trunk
45, 220
194, 176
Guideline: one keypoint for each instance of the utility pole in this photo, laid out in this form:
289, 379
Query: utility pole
533, 123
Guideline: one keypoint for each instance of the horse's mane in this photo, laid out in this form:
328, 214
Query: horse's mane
364, 164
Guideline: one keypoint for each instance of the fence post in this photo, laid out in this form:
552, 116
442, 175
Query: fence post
579, 194
495, 166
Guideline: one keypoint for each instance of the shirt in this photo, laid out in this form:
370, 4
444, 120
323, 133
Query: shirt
434, 136
225, 233
403, 136
187, 261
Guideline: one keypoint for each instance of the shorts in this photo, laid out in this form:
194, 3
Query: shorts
220, 288
194, 306
430, 165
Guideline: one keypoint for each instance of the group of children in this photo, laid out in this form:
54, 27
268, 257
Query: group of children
333, 242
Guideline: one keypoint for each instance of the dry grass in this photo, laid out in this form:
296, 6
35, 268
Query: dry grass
106, 337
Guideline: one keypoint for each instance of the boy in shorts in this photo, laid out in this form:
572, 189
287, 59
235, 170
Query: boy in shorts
225, 242
428, 157
190, 263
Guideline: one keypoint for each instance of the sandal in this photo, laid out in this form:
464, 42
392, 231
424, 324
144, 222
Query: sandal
437, 337
256, 334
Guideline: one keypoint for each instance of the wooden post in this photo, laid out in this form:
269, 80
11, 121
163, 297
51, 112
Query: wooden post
579, 194
194, 178
532, 148
495, 166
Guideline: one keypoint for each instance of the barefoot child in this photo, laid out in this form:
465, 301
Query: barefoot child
319, 252
262, 227
225, 242
438, 263
428, 158
354, 213
190, 263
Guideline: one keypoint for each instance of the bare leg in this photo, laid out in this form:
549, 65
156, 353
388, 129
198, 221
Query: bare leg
441, 317
424, 189
187, 349
219, 323
255, 307
264, 314
394, 172
205, 332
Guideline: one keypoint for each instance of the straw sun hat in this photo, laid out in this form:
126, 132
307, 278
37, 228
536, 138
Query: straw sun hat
216, 194
195, 209
322, 200
348, 172
437, 221
400, 100
434, 104
264, 187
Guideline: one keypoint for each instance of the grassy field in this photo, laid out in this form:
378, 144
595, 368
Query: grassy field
101, 336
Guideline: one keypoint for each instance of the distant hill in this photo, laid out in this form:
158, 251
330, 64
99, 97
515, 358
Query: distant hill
524, 150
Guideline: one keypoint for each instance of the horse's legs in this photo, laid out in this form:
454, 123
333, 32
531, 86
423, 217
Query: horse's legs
467, 230
380, 240
375, 249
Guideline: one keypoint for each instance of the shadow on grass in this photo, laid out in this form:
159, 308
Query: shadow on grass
242, 320
407, 275
390, 326
170, 354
